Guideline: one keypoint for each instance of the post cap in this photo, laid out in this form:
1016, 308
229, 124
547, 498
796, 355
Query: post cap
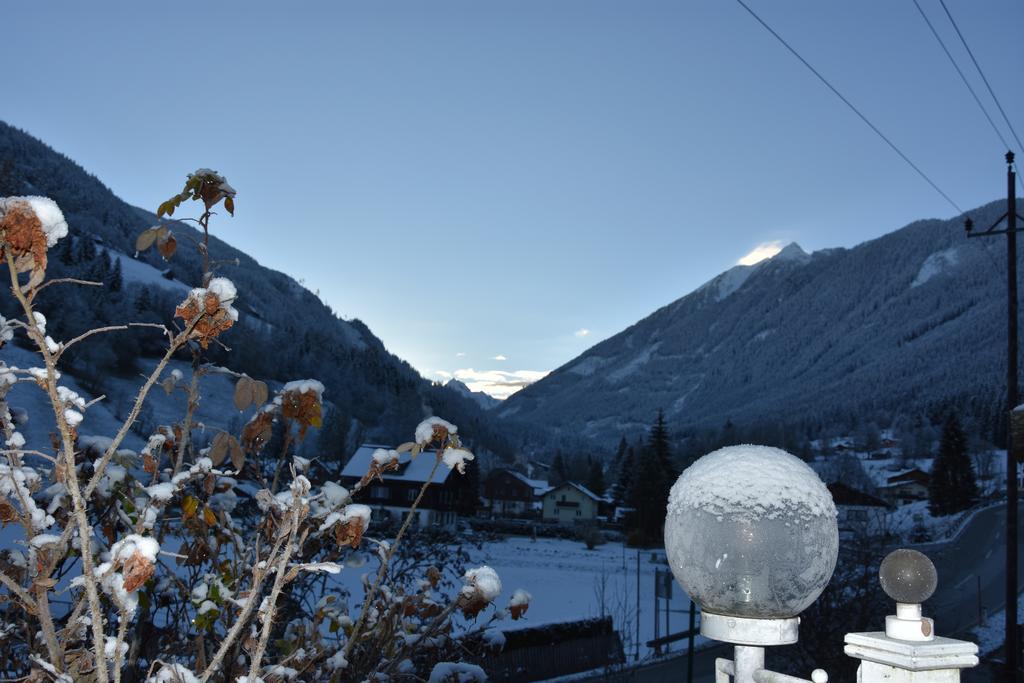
908, 576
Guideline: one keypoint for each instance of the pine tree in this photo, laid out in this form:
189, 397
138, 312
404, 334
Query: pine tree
615, 472
595, 477
116, 279
66, 252
86, 249
658, 444
143, 304
651, 484
953, 486
559, 470
622, 486
954, 446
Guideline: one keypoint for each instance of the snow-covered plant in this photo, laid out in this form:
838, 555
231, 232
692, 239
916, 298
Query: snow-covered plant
194, 560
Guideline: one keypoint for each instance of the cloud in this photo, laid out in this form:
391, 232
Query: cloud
498, 383
460, 354
443, 374
500, 357
761, 252
582, 332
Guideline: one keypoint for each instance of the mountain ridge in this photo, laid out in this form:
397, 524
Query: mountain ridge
806, 338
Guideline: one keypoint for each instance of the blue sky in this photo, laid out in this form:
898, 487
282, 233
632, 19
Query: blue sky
480, 181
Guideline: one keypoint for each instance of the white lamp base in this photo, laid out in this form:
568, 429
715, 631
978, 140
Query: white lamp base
748, 631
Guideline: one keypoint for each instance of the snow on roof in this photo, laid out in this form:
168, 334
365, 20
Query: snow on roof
409, 470
846, 495
580, 487
539, 485
914, 474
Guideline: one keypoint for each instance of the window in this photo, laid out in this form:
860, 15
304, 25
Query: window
379, 492
411, 494
577, 513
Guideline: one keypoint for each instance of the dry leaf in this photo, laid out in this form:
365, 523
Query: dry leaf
237, 454
145, 239
244, 393
219, 448
260, 392
167, 247
189, 507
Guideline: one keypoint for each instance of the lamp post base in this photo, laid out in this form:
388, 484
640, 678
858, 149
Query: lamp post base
884, 658
748, 631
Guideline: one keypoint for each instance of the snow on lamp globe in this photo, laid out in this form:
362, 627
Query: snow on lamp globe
751, 535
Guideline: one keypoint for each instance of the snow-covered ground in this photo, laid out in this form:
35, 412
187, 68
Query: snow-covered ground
566, 580
990, 635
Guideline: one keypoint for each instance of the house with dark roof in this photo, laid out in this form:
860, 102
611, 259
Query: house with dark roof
859, 514
905, 486
447, 497
570, 503
508, 493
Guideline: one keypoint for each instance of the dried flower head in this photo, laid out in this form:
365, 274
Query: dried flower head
208, 310
258, 431
434, 430
519, 603
137, 571
481, 588
351, 525
383, 461
28, 227
202, 184
301, 402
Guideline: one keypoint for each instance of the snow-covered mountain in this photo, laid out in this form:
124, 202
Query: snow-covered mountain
485, 401
897, 325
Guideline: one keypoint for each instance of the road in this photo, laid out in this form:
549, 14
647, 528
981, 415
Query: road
971, 572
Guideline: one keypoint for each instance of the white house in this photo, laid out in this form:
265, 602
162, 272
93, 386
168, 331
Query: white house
570, 503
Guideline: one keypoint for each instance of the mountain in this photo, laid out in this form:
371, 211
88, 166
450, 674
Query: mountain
485, 401
284, 332
900, 326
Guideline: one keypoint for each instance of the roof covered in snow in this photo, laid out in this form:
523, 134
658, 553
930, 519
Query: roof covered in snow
579, 487
409, 469
849, 496
539, 486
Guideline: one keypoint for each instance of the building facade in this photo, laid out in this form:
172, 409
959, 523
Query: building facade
571, 503
391, 498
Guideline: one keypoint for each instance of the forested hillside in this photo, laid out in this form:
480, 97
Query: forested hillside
289, 332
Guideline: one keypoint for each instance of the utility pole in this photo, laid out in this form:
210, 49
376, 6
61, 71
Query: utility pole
1012, 399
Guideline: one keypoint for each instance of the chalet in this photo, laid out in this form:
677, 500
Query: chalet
570, 503
859, 514
905, 487
508, 493
447, 497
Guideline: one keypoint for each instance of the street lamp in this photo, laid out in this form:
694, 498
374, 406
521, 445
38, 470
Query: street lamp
751, 536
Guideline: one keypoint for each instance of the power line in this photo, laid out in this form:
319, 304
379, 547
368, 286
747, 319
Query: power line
977, 66
853, 108
963, 78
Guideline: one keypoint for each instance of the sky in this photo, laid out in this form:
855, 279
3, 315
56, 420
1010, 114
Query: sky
494, 187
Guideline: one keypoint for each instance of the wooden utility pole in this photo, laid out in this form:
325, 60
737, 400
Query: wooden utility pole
1012, 399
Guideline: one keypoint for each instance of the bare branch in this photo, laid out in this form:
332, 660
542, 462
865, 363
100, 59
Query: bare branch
387, 559
86, 335
65, 280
